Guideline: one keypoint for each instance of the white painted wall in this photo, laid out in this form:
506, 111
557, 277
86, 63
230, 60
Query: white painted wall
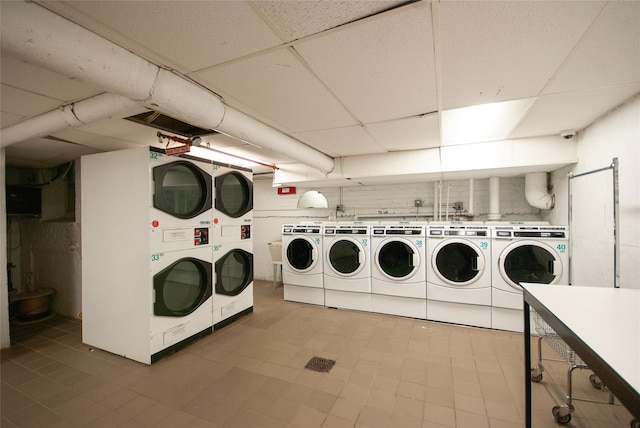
615, 135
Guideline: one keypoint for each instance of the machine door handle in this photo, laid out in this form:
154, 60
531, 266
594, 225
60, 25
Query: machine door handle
479, 264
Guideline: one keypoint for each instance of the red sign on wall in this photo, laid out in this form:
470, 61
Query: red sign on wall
286, 190
172, 151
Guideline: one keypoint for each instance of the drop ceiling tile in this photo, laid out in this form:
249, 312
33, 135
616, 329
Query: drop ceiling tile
44, 153
25, 103
553, 113
382, 68
413, 133
277, 85
338, 142
8, 119
100, 142
298, 19
122, 129
23, 75
609, 55
481, 123
187, 34
505, 50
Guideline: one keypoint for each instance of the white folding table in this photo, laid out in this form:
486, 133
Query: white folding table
602, 326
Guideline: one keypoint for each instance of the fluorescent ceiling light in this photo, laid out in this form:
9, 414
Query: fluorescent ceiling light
486, 122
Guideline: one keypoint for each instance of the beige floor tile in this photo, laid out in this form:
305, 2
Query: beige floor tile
390, 371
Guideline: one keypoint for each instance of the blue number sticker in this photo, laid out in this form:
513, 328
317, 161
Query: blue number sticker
153, 155
484, 244
562, 247
155, 257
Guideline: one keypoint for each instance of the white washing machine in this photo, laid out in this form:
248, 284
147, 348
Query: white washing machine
524, 253
459, 273
398, 271
347, 266
233, 277
302, 268
181, 304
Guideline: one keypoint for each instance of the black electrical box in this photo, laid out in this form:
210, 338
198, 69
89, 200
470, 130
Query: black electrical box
23, 201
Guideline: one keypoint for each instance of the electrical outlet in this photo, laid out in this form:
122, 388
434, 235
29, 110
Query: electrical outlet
340, 208
458, 206
418, 202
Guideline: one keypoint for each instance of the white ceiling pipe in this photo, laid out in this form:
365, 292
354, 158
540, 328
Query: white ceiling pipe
470, 209
182, 99
494, 198
536, 191
243, 127
38, 36
50, 41
71, 115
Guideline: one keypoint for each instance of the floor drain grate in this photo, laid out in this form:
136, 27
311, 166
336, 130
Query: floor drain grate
318, 364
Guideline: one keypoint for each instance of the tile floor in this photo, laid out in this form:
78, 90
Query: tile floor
389, 372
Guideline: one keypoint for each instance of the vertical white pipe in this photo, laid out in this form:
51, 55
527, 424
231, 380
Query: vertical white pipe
446, 205
435, 200
440, 200
470, 208
494, 198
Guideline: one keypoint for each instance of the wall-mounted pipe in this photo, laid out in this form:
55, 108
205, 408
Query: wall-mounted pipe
536, 191
40, 37
494, 198
470, 208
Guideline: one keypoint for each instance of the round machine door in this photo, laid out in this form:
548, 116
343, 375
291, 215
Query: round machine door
346, 257
182, 189
302, 254
458, 262
234, 272
529, 261
398, 259
182, 287
234, 194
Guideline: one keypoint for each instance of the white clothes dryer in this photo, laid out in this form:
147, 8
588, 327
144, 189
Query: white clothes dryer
154, 219
398, 271
181, 306
233, 280
302, 267
233, 202
181, 190
347, 266
524, 253
459, 273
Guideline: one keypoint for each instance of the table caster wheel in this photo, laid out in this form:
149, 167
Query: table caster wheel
562, 414
536, 374
595, 381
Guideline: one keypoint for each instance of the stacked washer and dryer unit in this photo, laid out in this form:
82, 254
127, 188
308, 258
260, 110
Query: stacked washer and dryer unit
232, 244
148, 232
